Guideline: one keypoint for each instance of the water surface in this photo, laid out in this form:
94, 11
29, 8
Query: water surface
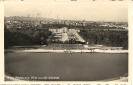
68, 67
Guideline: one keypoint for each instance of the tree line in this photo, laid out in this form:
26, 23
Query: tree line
107, 38
23, 37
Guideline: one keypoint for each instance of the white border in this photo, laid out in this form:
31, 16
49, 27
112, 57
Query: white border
130, 21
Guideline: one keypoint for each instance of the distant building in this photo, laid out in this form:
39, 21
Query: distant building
84, 23
64, 29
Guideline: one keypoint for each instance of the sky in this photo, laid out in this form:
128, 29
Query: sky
71, 11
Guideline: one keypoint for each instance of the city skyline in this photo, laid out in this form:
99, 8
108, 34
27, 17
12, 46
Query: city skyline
71, 11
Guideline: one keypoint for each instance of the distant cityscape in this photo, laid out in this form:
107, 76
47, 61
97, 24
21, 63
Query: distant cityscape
20, 22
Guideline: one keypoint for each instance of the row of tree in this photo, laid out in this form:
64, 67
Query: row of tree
107, 38
22, 37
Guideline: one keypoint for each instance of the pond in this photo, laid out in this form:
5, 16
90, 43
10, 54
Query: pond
65, 66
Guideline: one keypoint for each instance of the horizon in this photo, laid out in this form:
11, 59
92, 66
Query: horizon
63, 19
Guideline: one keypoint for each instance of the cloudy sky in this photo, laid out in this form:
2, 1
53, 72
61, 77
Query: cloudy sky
71, 11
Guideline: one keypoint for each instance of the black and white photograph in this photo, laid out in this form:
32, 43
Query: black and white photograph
66, 42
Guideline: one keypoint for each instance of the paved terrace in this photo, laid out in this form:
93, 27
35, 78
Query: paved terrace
69, 48
79, 37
